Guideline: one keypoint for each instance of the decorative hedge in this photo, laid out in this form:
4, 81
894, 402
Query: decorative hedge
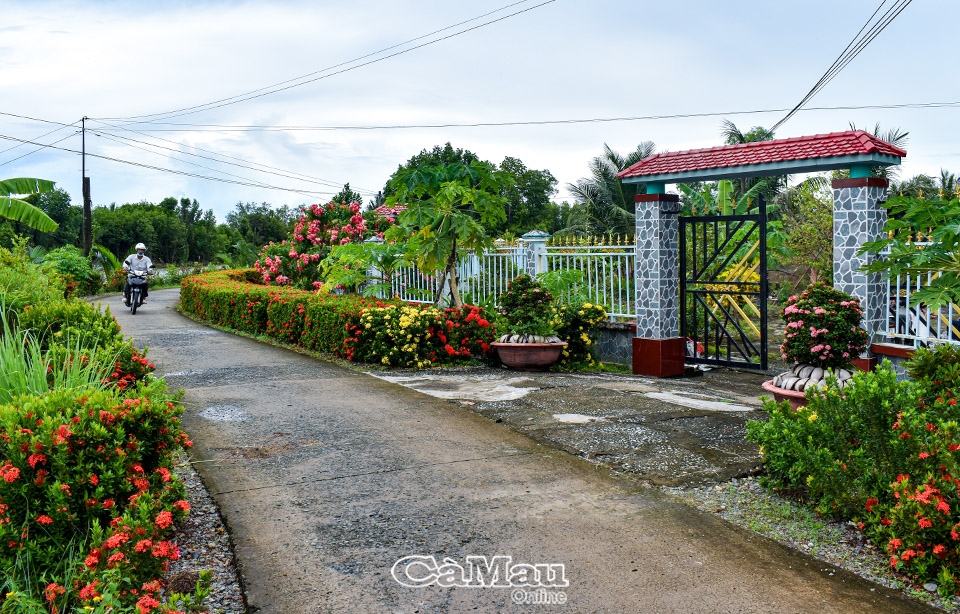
384, 332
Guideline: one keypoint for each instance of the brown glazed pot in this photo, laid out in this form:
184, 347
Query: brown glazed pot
529, 356
797, 399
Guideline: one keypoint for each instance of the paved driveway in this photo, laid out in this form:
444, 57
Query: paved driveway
327, 477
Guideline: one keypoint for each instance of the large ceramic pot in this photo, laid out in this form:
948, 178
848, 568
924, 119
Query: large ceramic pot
529, 356
797, 399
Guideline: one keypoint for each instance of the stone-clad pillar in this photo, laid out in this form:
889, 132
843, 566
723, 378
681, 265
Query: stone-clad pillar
859, 217
658, 349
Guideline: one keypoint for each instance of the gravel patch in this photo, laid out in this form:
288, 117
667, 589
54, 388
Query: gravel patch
745, 503
205, 544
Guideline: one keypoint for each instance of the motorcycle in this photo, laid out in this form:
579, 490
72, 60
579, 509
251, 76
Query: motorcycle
138, 282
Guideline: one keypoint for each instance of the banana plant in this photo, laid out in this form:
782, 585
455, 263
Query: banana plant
12, 207
718, 199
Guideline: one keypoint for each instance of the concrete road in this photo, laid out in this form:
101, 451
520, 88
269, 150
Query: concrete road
327, 478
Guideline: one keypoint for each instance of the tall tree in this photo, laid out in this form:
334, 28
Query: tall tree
346, 195
261, 224
606, 202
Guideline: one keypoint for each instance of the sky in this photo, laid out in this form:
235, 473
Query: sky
127, 66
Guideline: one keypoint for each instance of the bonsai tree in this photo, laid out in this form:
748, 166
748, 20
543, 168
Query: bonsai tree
448, 209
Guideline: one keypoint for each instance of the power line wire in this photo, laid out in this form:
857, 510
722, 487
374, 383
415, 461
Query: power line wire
852, 50
298, 81
309, 193
289, 174
262, 128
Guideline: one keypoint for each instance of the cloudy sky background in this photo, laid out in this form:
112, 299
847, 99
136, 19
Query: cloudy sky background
564, 60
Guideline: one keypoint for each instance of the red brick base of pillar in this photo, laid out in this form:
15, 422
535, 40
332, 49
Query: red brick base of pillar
866, 364
658, 357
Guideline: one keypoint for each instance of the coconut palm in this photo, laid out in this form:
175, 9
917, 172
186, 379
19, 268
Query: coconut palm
607, 202
21, 211
895, 137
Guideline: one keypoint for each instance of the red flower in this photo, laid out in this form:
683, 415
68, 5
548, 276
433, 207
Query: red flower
44, 519
870, 503
146, 604
89, 591
9, 473
35, 459
182, 505
940, 551
924, 523
894, 544
164, 519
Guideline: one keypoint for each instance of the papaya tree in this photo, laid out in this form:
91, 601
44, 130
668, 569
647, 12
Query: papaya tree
12, 207
448, 209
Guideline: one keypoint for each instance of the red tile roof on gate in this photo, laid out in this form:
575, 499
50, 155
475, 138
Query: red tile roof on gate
817, 147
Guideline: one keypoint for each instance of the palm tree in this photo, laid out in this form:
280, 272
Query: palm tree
21, 211
607, 203
895, 137
734, 136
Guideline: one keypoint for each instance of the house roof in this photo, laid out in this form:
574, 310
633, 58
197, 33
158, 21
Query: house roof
761, 158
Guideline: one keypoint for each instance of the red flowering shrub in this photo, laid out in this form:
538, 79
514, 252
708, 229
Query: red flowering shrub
72, 464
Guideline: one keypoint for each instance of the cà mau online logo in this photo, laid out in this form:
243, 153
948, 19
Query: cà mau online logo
418, 571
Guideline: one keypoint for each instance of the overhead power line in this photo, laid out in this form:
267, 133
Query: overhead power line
222, 158
310, 78
281, 128
852, 50
309, 193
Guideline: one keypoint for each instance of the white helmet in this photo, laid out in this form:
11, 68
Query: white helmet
141, 246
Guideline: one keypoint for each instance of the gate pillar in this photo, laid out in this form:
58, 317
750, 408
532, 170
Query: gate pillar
658, 349
858, 217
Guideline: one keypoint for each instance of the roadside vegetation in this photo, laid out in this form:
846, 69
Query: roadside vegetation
88, 496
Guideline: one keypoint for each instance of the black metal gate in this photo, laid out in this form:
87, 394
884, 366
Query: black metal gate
723, 289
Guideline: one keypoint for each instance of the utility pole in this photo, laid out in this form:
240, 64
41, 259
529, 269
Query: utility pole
87, 227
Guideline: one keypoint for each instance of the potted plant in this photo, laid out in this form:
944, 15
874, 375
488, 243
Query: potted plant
530, 343
823, 337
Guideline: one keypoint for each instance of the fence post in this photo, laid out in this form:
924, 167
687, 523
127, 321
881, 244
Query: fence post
858, 217
658, 349
535, 242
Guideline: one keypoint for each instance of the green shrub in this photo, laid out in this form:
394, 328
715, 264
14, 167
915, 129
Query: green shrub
823, 328
24, 283
936, 369
79, 277
527, 308
839, 448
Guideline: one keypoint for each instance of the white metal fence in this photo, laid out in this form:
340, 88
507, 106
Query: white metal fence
608, 274
916, 324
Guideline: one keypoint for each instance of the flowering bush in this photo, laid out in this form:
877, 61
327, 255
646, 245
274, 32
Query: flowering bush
73, 464
883, 453
823, 328
293, 262
417, 335
578, 328
527, 308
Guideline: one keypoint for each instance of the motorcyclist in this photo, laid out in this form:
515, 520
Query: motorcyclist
138, 263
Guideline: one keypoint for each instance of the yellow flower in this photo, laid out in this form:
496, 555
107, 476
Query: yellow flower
587, 306
812, 417
809, 480
385, 360
368, 325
